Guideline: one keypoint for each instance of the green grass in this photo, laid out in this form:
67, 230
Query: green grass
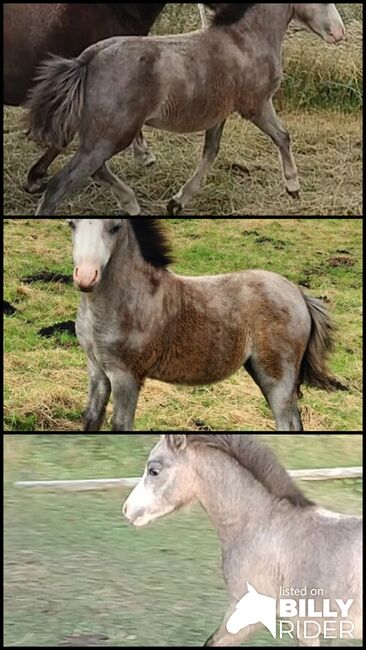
320, 102
46, 379
73, 566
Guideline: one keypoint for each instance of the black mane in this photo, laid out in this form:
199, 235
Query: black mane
226, 13
153, 241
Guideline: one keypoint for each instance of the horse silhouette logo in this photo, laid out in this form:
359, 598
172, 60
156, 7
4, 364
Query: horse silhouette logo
253, 608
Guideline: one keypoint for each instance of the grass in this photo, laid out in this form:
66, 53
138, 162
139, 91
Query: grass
320, 102
46, 380
73, 566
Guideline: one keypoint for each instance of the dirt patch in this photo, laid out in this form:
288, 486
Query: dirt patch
341, 261
58, 328
8, 309
200, 425
276, 243
46, 276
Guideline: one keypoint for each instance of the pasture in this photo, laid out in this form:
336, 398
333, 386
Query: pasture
73, 567
320, 102
46, 379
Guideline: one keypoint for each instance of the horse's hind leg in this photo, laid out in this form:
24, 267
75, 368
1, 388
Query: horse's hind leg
269, 123
281, 395
126, 198
77, 171
142, 153
36, 179
210, 153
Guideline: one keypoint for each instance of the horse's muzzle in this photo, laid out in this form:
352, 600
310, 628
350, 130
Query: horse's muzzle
86, 277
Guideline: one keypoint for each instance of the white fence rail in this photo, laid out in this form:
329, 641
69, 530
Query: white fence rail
107, 484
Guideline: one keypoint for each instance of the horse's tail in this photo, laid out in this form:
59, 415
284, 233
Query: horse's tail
56, 101
314, 371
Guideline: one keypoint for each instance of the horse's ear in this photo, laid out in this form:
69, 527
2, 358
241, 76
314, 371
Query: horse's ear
251, 589
177, 441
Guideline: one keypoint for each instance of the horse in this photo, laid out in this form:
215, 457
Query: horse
182, 84
139, 320
33, 30
270, 542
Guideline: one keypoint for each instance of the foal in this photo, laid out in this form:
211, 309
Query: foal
268, 539
138, 320
181, 84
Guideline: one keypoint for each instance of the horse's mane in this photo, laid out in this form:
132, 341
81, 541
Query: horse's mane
226, 13
259, 460
153, 241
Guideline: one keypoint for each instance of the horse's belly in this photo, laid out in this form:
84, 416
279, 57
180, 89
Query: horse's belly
186, 118
202, 362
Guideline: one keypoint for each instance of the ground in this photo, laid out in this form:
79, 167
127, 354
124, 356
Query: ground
320, 103
74, 567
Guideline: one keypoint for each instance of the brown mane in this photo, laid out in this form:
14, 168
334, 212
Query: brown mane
259, 460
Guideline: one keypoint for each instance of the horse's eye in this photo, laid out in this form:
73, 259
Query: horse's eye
115, 229
154, 472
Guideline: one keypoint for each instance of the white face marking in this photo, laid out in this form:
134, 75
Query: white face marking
142, 506
89, 243
93, 242
139, 500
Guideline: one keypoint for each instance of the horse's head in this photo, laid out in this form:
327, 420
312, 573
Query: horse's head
167, 483
322, 19
94, 241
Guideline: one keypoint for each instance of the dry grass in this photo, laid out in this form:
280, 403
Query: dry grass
320, 102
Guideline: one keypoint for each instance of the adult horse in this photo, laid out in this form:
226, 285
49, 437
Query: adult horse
138, 320
182, 84
272, 538
33, 30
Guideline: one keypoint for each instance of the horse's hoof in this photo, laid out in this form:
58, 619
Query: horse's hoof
149, 160
36, 186
294, 195
174, 208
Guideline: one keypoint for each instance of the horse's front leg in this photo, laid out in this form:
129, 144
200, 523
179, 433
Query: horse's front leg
125, 391
190, 189
223, 638
269, 123
99, 394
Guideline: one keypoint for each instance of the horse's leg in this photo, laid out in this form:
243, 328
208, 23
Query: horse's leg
125, 391
224, 639
142, 154
71, 177
99, 394
281, 395
125, 196
269, 123
203, 16
210, 153
36, 181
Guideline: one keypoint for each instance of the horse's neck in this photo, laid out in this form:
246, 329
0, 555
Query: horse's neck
233, 500
130, 283
269, 22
